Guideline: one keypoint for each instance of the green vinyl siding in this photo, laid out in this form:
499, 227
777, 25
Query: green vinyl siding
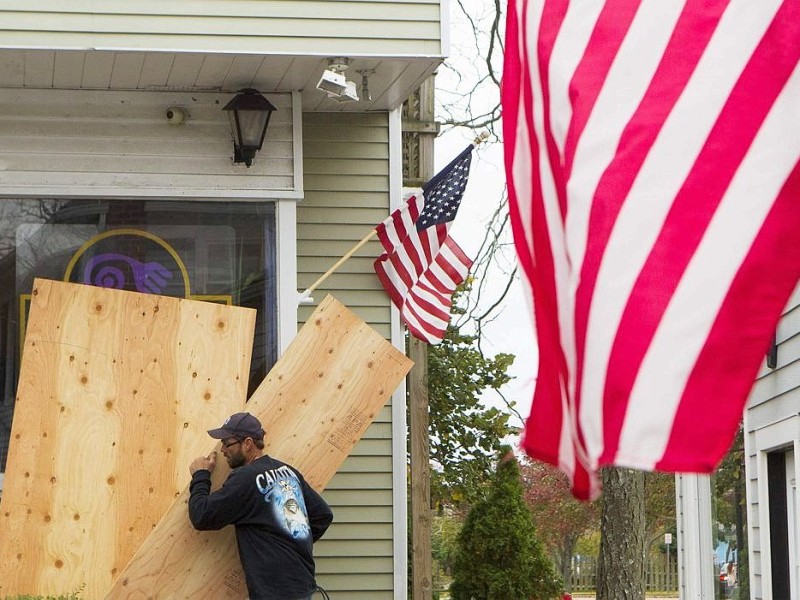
310, 27
370, 564
346, 182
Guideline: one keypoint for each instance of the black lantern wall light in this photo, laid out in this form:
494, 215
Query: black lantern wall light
249, 113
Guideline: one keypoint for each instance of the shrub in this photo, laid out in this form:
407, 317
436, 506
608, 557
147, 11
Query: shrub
499, 556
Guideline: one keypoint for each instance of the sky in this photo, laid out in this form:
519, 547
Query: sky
512, 331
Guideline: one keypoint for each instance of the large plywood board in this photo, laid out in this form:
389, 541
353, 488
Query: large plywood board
315, 404
116, 392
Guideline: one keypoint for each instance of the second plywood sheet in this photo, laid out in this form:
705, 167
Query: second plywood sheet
115, 395
315, 404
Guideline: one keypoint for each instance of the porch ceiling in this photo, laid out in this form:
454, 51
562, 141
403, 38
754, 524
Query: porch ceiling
394, 79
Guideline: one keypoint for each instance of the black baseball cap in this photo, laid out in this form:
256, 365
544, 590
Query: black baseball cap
239, 425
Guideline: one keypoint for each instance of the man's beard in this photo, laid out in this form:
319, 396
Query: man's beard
236, 460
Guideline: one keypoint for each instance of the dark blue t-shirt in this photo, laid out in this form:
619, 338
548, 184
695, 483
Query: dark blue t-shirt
277, 516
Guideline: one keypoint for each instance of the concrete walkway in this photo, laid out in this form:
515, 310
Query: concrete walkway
590, 597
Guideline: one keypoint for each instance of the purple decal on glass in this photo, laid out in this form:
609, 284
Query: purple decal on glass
108, 270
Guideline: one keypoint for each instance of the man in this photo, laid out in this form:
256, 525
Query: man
277, 515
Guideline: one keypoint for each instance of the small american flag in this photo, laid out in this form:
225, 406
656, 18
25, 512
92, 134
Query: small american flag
652, 156
421, 265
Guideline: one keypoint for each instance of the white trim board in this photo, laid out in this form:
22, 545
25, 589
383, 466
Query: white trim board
781, 434
399, 478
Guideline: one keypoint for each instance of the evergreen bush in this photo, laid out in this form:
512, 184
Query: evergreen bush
499, 556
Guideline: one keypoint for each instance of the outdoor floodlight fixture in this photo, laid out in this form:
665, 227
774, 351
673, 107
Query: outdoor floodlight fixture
249, 113
348, 95
333, 81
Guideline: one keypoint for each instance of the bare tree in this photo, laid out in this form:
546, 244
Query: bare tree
28, 211
468, 98
474, 102
622, 536
474, 99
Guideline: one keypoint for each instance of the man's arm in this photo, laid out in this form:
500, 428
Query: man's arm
320, 514
213, 510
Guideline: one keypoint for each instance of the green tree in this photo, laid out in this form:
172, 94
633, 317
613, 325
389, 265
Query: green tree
444, 544
560, 519
499, 556
465, 433
659, 505
730, 507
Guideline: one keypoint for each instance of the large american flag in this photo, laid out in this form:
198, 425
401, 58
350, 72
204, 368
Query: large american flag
421, 265
652, 155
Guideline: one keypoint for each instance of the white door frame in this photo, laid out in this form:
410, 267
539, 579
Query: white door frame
781, 434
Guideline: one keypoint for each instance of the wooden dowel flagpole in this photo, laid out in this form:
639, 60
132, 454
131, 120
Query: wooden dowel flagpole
337, 264
307, 292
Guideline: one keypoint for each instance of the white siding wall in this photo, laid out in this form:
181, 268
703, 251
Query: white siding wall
301, 27
346, 173
774, 403
87, 143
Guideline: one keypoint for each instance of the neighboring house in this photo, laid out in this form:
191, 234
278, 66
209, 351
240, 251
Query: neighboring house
96, 182
709, 562
772, 444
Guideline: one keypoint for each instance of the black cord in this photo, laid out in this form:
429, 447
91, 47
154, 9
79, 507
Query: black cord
324, 593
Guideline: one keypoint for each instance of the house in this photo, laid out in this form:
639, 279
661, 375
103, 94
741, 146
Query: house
117, 168
748, 531
772, 448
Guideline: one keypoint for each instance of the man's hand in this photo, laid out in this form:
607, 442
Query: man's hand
203, 462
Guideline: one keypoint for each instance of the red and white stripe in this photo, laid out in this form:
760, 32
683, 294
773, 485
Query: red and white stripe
652, 156
420, 270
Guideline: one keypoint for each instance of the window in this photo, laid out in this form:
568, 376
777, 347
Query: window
212, 251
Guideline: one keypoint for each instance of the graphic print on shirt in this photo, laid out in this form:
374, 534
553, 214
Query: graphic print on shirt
282, 491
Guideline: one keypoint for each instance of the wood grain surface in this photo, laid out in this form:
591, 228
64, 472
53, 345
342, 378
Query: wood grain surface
315, 404
115, 395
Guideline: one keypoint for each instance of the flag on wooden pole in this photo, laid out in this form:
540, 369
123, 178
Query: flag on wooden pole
652, 162
421, 265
